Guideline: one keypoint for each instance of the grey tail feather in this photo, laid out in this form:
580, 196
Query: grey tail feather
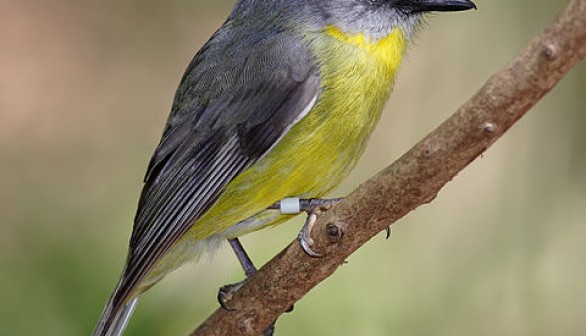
113, 323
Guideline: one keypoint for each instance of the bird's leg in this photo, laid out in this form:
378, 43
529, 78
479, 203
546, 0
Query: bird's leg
243, 258
225, 293
313, 207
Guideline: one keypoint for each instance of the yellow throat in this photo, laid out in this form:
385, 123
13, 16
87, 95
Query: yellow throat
387, 51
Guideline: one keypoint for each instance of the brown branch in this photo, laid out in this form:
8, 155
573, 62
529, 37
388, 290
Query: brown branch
411, 181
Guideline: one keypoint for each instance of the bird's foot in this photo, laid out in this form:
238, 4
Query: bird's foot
305, 236
226, 292
225, 295
313, 207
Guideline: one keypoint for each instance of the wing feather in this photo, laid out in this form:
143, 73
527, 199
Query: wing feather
221, 123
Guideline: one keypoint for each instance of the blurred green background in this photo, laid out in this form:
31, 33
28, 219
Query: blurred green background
85, 87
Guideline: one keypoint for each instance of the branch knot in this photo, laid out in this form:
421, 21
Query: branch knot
334, 232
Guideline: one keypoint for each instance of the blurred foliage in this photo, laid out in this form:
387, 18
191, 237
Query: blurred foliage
85, 88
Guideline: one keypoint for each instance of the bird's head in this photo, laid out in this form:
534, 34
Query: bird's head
377, 18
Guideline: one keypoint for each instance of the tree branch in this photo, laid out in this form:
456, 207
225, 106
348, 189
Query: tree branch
411, 181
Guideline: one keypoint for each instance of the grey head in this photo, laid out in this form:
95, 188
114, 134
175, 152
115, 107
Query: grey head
376, 18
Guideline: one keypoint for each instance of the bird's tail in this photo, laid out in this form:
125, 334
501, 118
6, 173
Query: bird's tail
115, 317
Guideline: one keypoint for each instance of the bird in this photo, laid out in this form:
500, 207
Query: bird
278, 104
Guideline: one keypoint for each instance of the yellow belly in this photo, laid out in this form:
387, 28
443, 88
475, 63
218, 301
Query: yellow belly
316, 154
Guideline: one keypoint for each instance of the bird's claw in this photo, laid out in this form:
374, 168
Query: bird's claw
313, 207
305, 236
226, 292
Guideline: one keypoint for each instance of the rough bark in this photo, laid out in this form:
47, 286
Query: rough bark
411, 181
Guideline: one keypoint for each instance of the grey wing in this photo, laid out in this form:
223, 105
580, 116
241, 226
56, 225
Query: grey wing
225, 117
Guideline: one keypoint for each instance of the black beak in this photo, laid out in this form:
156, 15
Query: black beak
438, 5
